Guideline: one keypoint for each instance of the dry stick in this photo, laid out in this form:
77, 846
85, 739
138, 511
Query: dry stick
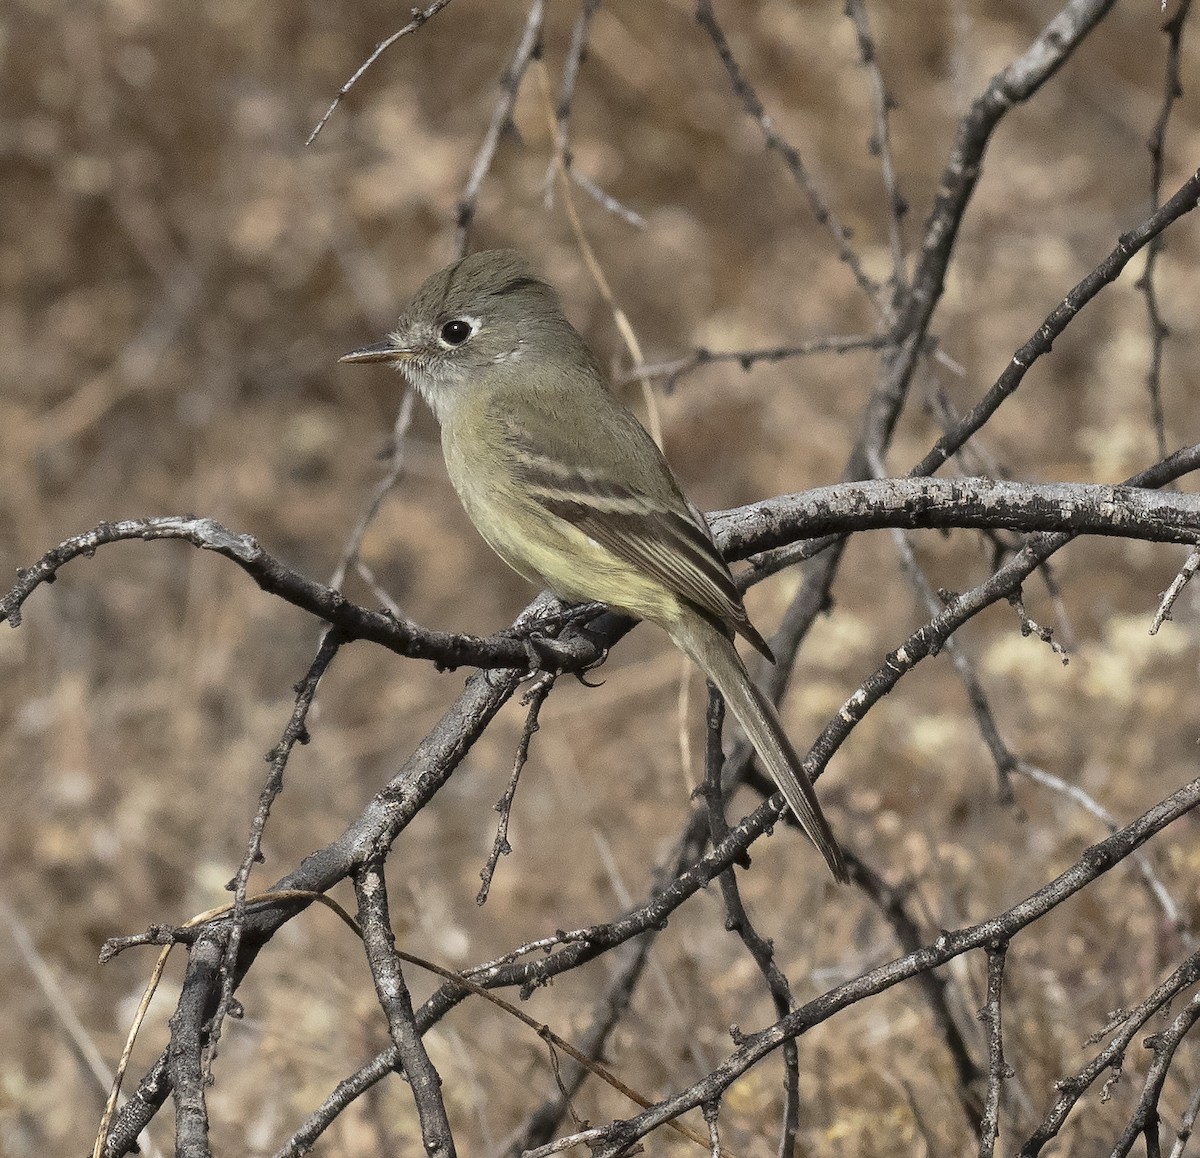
890, 900
679, 368
610, 1008
562, 122
1131, 509
881, 143
1011, 86
1159, 332
1071, 1089
824, 513
419, 17
998, 1069
201, 984
533, 699
1184, 201
1145, 1117
775, 141
628, 336
574, 650
296, 732
1173, 592
529, 49
614, 1139
395, 469
1154, 885
1186, 1124
392, 991
737, 921
139, 1017
929, 639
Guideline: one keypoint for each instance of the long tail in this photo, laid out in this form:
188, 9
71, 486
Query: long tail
713, 652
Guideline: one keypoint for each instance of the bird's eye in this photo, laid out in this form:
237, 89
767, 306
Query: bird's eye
455, 332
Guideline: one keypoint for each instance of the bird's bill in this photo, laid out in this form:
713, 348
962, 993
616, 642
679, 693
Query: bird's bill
379, 352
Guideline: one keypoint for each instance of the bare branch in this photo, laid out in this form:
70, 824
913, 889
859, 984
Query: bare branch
534, 699
529, 49
1184, 201
753, 105
1172, 593
998, 1068
419, 17
1096, 861
1172, 91
392, 991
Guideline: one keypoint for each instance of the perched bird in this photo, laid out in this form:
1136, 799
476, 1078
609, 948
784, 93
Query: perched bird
568, 488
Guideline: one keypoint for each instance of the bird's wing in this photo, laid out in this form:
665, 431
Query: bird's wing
628, 501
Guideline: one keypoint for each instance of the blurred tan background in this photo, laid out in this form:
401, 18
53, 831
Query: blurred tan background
178, 275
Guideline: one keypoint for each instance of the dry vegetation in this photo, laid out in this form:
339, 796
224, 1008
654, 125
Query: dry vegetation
179, 274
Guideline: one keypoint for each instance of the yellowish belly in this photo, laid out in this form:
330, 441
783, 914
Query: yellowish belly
548, 550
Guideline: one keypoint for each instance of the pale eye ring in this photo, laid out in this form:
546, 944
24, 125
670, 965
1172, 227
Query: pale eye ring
456, 331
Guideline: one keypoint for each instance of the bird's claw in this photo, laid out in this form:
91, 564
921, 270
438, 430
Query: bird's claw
549, 655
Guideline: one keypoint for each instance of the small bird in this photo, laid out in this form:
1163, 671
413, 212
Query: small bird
570, 491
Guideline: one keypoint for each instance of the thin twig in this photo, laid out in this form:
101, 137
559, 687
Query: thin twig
1159, 332
610, 1008
620, 319
617, 1137
1144, 1121
881, 143
1030, 626
737, 920
295, 732
534, 699
395, 469
576, 52
1187, 1123
1182, 202
792, 159
1171, 911
419, 17
528, 50
1172, 593
998, 1068
679, 368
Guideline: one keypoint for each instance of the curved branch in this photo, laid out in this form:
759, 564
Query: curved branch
1094, 862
